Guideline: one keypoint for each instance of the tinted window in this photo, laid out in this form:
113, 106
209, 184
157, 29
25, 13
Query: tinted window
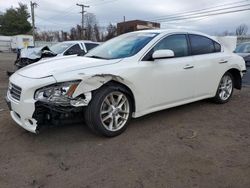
201, 45
74, 50
177, 43
90, 46
217, 47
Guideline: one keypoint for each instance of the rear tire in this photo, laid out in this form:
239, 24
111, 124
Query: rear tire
109, 111
225, 89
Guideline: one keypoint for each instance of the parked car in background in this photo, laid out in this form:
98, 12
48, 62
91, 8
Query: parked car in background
29, 55
243, 50
129, 76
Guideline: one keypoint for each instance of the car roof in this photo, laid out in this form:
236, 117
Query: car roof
80, 41
169, 31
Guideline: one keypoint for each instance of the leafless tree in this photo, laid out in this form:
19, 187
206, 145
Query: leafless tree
241, 30
48, 36
97, 33
90, 20
112, 31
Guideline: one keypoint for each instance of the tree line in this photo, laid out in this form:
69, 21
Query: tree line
15, 21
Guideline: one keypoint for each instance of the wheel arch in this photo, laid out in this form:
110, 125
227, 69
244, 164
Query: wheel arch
237, 77
124, 88
95, 82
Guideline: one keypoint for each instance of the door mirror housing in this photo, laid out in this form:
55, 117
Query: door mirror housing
162, 54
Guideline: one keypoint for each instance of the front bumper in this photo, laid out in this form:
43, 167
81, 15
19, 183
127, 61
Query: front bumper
22, 110
19, 116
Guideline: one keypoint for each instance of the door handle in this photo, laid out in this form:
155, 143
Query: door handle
223, 62
189, 67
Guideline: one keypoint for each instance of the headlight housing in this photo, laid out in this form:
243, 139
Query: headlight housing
60, 93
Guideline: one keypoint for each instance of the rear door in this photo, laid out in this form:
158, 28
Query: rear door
210, 64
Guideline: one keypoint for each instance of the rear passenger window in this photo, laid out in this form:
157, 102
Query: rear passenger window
217, 47
202, 45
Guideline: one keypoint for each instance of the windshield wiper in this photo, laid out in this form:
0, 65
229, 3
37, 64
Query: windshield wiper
96, 57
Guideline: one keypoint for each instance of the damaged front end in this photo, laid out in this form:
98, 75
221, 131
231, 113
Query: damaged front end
56, 104
65, 102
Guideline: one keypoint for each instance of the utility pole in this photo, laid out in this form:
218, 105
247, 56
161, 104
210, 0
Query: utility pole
33, 5
82, 12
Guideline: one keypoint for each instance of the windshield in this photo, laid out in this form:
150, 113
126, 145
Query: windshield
243, 48
60, 47
123, 46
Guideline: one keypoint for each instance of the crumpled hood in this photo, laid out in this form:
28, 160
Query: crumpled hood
33, 53
59, 65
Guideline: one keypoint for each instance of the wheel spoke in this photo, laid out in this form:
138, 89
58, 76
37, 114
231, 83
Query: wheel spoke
124, 112
106, 118
105, 111
107, 102
122, 103
112, 100
111, 124
116, 121
123, 118
119, 99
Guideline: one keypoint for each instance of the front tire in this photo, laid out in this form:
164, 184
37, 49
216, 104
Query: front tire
109, 111
225, 89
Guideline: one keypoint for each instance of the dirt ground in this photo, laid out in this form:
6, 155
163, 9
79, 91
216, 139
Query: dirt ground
199, 145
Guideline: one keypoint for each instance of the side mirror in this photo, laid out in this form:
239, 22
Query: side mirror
162, 54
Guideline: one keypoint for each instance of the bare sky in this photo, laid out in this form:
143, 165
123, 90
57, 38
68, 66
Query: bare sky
63, 14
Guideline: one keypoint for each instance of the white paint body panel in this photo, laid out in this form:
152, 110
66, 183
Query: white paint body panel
156, 85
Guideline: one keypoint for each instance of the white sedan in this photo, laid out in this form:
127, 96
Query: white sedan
129, 76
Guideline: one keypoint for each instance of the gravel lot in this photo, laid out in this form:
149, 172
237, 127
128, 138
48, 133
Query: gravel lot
197, 145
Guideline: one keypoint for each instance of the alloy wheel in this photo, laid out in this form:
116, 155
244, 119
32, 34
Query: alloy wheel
226, 87
115, 111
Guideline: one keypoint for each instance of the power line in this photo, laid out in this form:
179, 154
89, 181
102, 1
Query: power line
203, 12
67, 11
207, 15
198, 10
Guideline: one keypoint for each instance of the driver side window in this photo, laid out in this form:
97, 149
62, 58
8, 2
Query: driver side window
177, 43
